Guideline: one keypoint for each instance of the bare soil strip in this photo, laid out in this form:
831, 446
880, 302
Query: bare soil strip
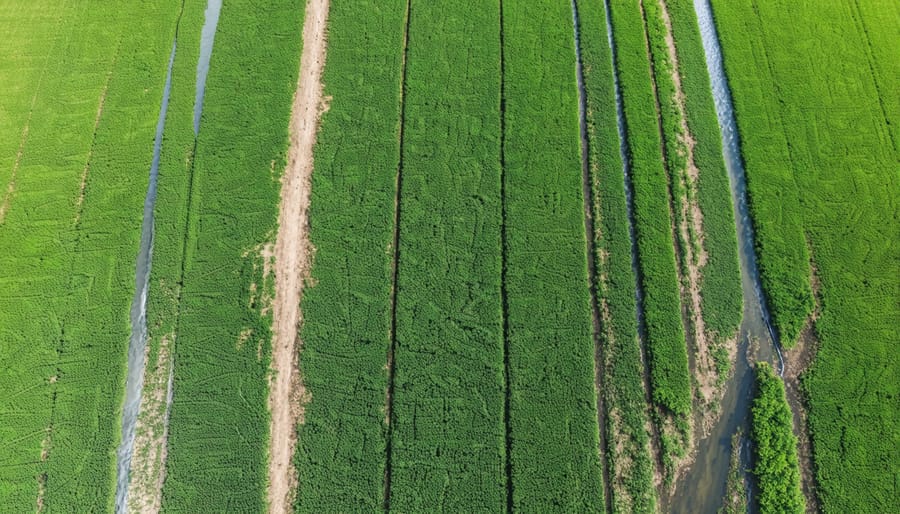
293, 257
667, 425
148, 462
691, 225
796, 361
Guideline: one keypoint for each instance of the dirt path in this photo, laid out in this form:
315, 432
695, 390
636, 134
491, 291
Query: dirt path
796, 361
293, 256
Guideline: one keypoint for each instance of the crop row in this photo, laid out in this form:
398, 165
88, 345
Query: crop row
448, 436
68, 240
553, 399
628, 452
347, 312
776, 466
721, 281
817, 127
218, 431
782, 253
665, 337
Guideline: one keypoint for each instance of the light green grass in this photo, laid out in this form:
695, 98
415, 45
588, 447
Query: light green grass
67, 269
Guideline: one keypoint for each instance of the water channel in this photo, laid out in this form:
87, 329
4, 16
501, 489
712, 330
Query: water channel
702, 489
138, 340
134, 380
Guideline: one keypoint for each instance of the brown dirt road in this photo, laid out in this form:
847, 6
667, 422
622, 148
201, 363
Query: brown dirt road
293, 257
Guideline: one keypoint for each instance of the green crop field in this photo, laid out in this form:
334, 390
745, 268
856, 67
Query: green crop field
422, 256
81, 94
447, 417
347, 333
629, 461
219, 423
819, 130
667, 357
553, 433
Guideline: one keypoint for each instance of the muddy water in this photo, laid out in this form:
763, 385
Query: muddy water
135, 379
702, 489
207, 37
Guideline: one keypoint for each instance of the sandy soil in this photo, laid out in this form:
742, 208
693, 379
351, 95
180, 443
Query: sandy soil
293, 256
148, 461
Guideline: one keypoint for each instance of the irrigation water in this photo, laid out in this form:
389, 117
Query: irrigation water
702, 488
589, 228
134, 381
138, 341
207, 38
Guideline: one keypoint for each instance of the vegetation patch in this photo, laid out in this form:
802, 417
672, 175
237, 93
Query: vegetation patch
448, 437
776, 467
218, 431
81, 97
628, 442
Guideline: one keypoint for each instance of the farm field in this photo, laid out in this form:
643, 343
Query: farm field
81, 104
818, 124
398, 255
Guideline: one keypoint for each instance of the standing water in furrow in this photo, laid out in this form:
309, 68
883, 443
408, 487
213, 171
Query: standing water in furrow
702, 489
135, 379
138, 340
207, 37
626, 166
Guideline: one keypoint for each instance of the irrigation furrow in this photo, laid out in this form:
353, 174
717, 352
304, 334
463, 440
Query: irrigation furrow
150, 451
665, 420
632, 234
758, 339
138, 340
503, 259
395, 261
591, 253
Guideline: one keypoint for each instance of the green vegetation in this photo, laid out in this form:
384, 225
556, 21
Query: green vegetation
176, 163
782, 254
665, 338
219, 422
77, 145
552, 405
628, 453
448, 397
777, 466
817, 125
735, 501
721, 281
341, 444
